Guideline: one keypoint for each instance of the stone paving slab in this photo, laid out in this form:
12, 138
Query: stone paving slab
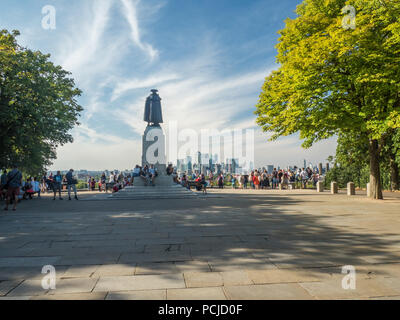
80, 271
284, 276
7, 286
72, 296
193, 266
280, 291
76, 285
109, 270
156, 268
27, 261
165, 257
146, 282
332, 289
28, 288
203, 279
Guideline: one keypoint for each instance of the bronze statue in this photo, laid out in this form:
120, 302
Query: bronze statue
152, 110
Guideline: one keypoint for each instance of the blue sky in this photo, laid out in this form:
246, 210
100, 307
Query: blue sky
207, 58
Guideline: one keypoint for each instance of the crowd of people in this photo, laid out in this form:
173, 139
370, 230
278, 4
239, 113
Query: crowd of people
256, 179
13, 188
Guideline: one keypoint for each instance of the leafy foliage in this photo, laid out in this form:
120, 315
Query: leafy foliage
38, 106
335, 81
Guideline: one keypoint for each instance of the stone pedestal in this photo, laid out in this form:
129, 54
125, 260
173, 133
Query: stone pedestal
320, 186
351, 189
164, 187
153, 147
334, 187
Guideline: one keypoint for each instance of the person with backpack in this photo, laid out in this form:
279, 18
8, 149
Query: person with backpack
13, 184
71, 184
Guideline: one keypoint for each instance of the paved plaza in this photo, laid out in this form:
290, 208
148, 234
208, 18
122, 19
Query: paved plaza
233, 244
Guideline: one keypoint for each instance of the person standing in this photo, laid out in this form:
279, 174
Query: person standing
71, 183
304, 178
14, 182
57, 184
103, 182
221, 181
3, 183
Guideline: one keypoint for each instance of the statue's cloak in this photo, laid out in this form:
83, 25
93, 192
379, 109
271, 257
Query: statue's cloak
152, 109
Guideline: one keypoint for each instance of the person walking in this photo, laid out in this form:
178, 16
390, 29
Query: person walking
13, 184
71, 183
57, 185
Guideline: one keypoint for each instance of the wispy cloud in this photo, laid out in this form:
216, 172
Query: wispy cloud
87, 38
130, 12
124, 86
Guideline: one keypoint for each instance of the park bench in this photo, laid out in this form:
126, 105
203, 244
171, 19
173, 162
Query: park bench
195, 184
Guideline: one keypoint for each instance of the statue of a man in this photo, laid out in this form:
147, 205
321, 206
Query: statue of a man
152, 110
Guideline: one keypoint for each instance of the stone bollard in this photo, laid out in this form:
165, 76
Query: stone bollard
368, 190
334, 187
320, 186
351, 189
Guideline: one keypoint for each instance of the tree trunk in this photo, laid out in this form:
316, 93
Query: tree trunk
375, 172
394, 174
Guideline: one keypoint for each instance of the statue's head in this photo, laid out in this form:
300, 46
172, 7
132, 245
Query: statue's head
154, 91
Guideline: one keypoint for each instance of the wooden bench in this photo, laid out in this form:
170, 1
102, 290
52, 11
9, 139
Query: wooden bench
194, 184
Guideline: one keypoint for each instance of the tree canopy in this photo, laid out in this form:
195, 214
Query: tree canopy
332, 79
38, 106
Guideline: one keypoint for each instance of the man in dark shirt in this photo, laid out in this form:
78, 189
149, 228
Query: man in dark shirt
14, 182
71, 183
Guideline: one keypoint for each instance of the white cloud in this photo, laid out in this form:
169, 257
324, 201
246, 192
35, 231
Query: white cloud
82, 46
130, 12
124, 86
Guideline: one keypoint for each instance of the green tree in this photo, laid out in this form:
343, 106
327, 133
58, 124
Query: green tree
38, 106
332, 79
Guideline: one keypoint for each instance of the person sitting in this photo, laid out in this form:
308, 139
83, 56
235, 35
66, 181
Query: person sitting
144, 174
115, 187
175, 176
170, 169
184, 181
135, 173
152, 174
28, 189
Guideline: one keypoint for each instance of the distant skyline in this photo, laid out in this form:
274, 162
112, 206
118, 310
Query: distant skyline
208, 59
